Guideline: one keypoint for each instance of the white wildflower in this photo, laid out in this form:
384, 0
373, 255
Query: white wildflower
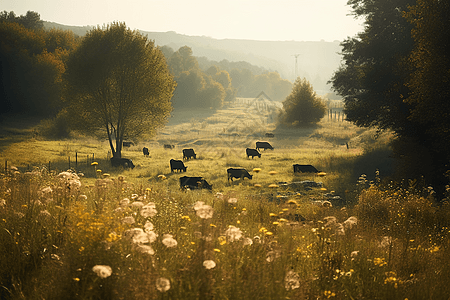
350, 222
169, 241
147, 249
232, 200
247, 241
124, 202
102, 271
148, 226
163, 284
148, 211
209, 264
128, 220
233, 234
137, 204
292, 280
203, 211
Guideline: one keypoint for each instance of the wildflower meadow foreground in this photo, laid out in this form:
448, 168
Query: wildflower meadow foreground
66, 237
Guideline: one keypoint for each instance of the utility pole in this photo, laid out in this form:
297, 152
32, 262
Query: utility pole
296, 66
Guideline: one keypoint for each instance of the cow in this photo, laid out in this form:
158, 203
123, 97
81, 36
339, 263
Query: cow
122, 162
127, 144
304, 169
189, 153
252, 153
263, 145
194, 183
145, 151
238, 173
177, 165
269, 134
169, 146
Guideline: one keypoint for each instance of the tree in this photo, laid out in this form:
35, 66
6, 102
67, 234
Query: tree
302, 107
372, 78
118, 82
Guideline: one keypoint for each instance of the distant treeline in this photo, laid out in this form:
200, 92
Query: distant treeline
32, 62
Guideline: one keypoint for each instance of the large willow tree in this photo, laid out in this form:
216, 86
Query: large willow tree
118, 82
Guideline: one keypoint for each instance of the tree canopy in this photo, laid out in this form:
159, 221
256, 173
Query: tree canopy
31, 65
395, 76
118, 82
302, 107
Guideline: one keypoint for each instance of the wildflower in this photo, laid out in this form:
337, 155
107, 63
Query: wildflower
257, 185
149, 210
162, 177
273, 172
203, 211
169, 241
321, 174
268, 233
222, 240
271, 256
102, 271
148, 226
137, 204
385, 241
94, 163
82, 197
247, 241
162, 284
209, 264
233, 233
128, 220
2, 203
134, 196
216, 250
121, 178
232, 200
354, 254
273, 185
379, 261
291, 281
256, 170
147, 249
350, 222
219, 195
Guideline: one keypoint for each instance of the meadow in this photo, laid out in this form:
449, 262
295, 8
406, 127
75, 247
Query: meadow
94, 232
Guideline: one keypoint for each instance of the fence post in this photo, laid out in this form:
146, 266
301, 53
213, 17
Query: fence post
87, 160
76, 160
49, 166
6, 166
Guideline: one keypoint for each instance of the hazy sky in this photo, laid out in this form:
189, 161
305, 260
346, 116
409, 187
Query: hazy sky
275, 20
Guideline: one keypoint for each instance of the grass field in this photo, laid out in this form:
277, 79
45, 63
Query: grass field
95, 232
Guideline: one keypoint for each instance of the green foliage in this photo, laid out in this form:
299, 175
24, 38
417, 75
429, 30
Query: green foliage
196, 89
34, 62
302, 107
118, 82
32, 20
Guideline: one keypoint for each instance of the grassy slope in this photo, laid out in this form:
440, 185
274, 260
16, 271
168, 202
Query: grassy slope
219, 138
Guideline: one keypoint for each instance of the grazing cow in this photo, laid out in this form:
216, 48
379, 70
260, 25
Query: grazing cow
127, 144
122, 162
194, 183
263, 145
238, 173
304, 169
189, 153
169, 146
145, 151
269, 134
177, 165
252, 153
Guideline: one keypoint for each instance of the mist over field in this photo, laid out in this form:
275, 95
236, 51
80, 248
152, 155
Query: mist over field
316, 60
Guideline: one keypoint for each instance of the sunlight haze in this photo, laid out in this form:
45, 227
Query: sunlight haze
280, 20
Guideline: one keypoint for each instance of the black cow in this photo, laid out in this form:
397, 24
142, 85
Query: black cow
122, 162
194, 183
145, 151
252, 153
189, 153
269, 134
304, 169
169, 146
177, 165
127, 144
238, 173
263, 145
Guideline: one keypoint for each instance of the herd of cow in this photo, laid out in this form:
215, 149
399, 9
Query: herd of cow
189, 182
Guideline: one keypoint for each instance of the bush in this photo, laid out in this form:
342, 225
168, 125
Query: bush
302, 107
56, 128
